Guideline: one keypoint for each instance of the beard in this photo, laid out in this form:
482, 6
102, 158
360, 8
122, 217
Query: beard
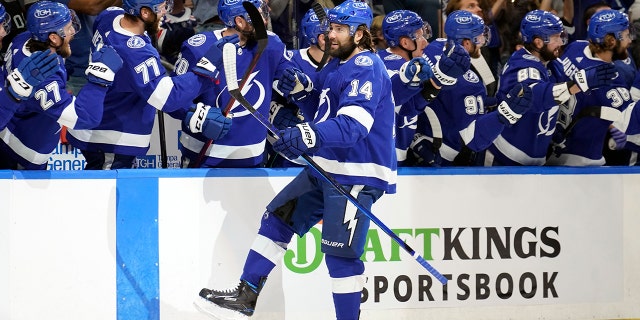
344, 50
619, 53
476, 52
548, 55
64, 50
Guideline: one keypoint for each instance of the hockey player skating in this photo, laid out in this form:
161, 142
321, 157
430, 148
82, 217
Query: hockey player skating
351, 137
583, 123
244, 146
33, 132
141, 87
458, 114
527, 141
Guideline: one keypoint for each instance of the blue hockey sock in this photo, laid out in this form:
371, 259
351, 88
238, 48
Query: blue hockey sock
347, 305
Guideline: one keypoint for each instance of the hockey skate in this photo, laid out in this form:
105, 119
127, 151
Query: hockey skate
233, 304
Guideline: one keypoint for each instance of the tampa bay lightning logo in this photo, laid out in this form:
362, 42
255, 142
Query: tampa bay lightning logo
197, 40
363, 61
135, 42
547, 122
252, 89
471, 77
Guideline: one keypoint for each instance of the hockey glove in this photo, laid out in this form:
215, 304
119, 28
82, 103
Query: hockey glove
207, 120
618, 139
517, 102
32, 70
295, 141
423, 148
294, 84
595, 77
283, 116
452, 64
415, 71
103, 66
211, 63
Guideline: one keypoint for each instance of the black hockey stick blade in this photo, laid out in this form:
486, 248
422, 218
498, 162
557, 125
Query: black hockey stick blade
229, 59
322, 17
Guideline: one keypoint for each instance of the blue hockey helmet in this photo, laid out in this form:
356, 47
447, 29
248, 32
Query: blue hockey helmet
463, 24
352, 13
45, 17
541, 24
312, 27
5, 20
607, 22
228, 10
133, 7
403, 23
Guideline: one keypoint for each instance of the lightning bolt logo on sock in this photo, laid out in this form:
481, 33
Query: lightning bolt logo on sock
350, 213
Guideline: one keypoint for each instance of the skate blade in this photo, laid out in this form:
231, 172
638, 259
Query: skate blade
214, 311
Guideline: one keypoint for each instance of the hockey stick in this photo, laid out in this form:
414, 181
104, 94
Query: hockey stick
163, 140
322, 17
262, 41
229, 59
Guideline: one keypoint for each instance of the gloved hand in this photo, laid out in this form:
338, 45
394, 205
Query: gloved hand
103, 66
517, 102
294, 84
453, 63
32, 70
595, 77
211, 63
297, 140
283, 117
210, 121
618, 139
424, 150
414, 71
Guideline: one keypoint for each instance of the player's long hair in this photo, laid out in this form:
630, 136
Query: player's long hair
366, 43
34, 45
608, 44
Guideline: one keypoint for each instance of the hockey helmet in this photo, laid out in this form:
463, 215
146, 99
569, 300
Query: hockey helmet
5, 20
403, 23
228, 10
462, 25
607, 22
312, 27
45, 17
541, 24
133, 7
352, 13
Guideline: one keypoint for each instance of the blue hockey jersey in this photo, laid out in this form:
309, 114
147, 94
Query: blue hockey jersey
355, 121
33, 131
527, 141
586, 131
408, 104
139, 88
244, 144
460, 111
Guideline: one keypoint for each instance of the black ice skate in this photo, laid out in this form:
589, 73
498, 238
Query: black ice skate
233, 304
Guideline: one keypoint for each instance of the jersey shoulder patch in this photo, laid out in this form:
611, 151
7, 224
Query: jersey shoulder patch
363, 61
135, 42
197, 40
393, 57
471, 76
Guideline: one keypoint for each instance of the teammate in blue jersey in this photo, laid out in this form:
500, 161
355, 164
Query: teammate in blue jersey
583, 123
527, 141
33, 132
457, 115
351, 137
244, 146
284, 114
406, 35
141, 87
